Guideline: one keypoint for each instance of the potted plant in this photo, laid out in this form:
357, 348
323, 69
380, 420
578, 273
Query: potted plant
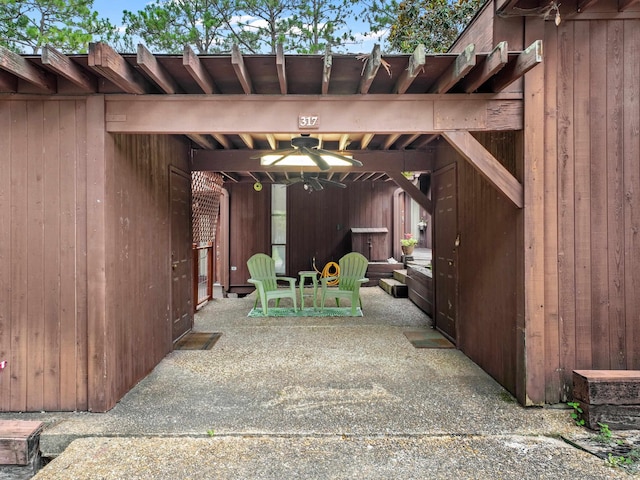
408, 243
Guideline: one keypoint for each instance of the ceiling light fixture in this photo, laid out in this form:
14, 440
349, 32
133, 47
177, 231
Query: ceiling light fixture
300, 160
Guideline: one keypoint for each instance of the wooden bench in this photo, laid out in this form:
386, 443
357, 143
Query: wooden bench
20, 443
610, 397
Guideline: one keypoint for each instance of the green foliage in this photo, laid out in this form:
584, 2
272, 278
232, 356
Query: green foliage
605, 433
211, 432
576, 414
434, 23
68, 25
212, 26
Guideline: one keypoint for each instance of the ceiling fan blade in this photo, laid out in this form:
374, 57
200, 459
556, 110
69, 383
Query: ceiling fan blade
291, 181
313, 181
352, 161
326, 181
315, 158
285, 155
282, 151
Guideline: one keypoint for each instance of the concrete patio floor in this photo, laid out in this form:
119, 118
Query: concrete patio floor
316, 398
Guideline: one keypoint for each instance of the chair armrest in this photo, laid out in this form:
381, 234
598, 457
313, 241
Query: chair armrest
325, 280
363, 280
292, 281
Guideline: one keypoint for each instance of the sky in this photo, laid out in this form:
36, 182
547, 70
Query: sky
112, 9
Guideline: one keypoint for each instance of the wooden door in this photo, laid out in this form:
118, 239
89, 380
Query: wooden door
181, 254
445, 269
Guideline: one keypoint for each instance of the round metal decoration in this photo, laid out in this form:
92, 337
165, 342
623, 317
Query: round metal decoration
257, 186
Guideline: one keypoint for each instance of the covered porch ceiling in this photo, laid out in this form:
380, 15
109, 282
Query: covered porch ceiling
384, 110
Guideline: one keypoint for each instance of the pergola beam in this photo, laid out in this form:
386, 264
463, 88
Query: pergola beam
517, 67
456, 71
326, 71
416, 63
21, 67
626, 4
282, 73
149, 64
192, 64
391, 139
111, 65
271, 139
241, 71
64, 66
370, 70
487, 165
420, 113
202, 141
413, 191
494, 62
373, 161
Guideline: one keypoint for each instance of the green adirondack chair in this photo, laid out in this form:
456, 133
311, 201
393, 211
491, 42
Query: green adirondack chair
262, 269
353, 268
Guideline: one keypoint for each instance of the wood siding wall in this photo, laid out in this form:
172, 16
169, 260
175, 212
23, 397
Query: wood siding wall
43, 247
592, 202
138, 250
489, 278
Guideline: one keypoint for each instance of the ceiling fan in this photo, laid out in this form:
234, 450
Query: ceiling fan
307, 145
312, 183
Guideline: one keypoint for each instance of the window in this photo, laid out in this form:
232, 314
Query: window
279, 226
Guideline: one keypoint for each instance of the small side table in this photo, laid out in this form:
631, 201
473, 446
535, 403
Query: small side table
314, 279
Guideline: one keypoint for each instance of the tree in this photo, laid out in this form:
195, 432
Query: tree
434, 23
318, 24
168, 25
68, 25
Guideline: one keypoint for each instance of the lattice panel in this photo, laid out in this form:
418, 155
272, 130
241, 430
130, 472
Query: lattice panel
206, 188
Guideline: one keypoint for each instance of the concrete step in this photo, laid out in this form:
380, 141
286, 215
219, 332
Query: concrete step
400, 275
394, 287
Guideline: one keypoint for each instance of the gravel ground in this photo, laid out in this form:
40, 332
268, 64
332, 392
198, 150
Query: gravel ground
316, 398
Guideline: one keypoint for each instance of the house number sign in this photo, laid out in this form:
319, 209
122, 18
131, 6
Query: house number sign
308, 121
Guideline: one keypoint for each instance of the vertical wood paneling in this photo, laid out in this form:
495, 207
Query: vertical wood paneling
35, 262
77, 278
582, 194
533, 217
615, 193
551, 300
598, 153
139, 242
566, 209
5, 252
18, 361
52, 267
631, 168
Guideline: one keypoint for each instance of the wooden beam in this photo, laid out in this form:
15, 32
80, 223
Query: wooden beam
241, 71
193, 65
272, 141
282, 72
517, 67
344, 141
487, 165
235, 178
456, 71
222, 140
271, 177
8, 82
584, 4
201, 140
111, 65
426, 140
149, 64
420, 113
626, 4
366, 139
247, 139
21, 67
234, 160
344, 176
503, 5
408, 141
326, 70
64, 66
391, 139
415, 66
496, 60
413, 191
373, 61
